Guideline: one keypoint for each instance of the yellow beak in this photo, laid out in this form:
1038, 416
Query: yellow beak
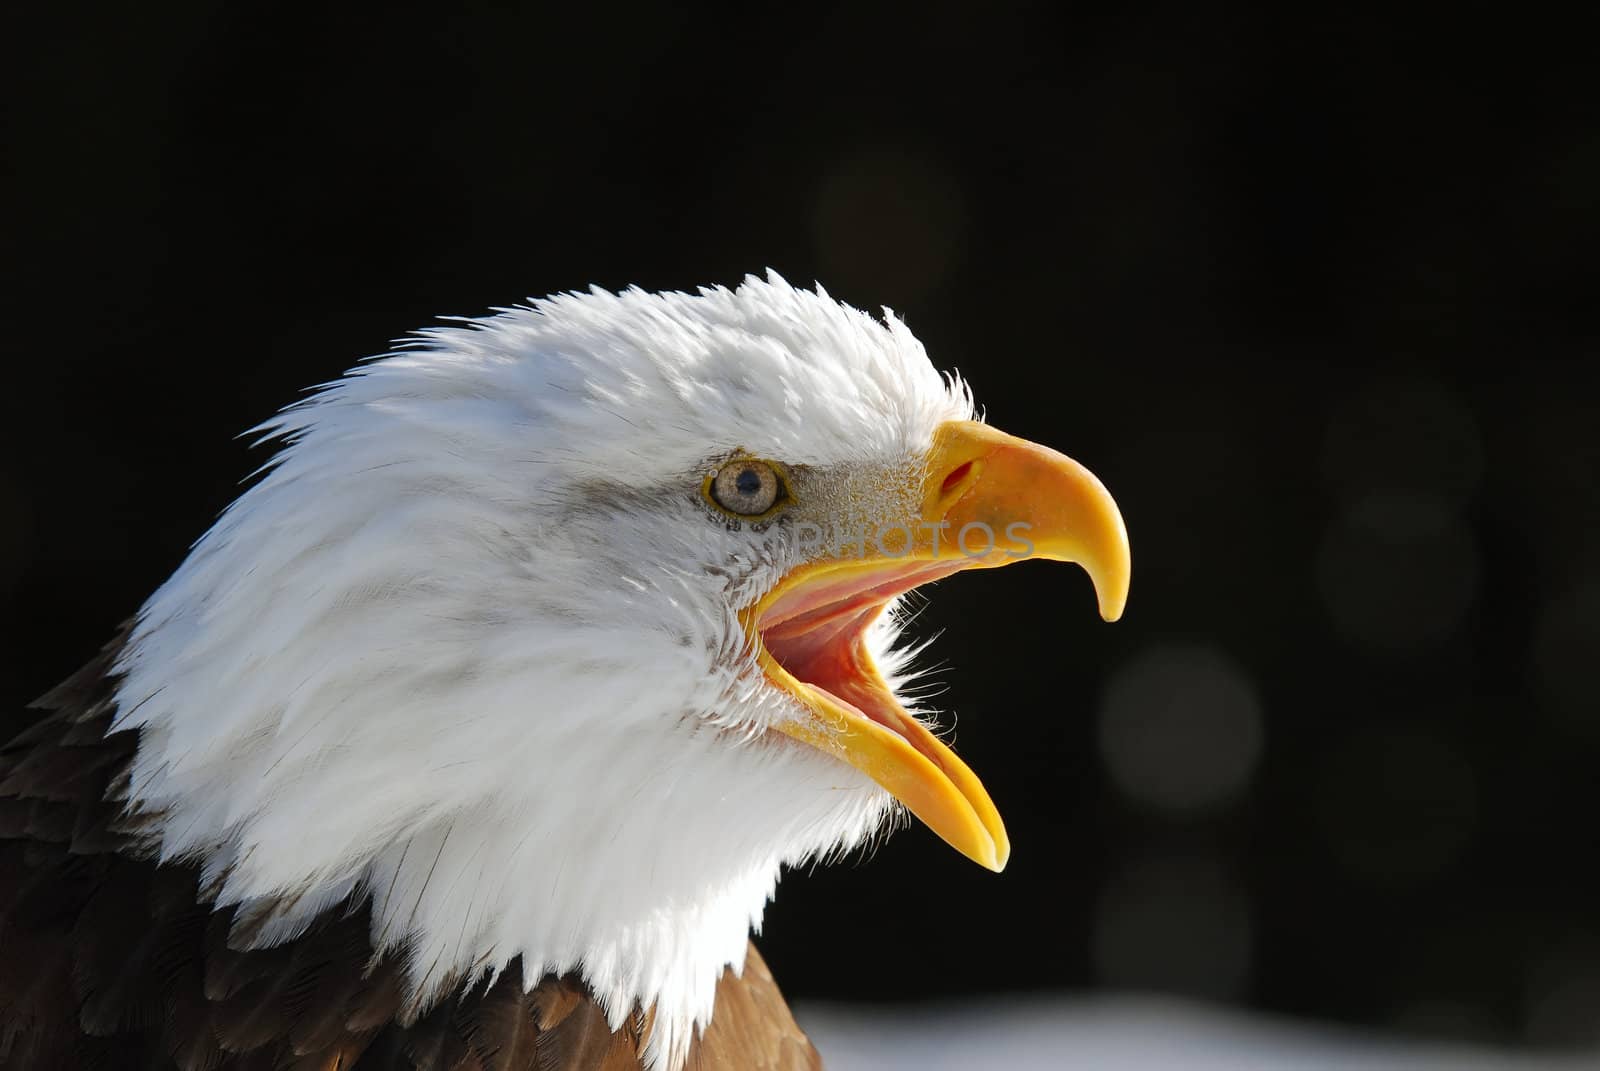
987, 499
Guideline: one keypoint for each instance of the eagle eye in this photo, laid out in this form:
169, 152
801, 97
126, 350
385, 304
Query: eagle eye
746, 487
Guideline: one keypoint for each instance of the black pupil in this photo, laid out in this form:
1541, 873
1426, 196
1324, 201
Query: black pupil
748, 482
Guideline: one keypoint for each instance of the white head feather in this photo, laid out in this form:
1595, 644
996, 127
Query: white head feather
469, 646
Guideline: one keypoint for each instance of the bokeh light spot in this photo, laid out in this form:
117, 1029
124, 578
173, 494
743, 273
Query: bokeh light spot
1180, 728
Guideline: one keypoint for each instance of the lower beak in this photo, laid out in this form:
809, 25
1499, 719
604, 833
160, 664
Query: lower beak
987, 499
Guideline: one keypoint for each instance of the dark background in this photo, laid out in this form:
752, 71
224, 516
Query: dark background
1313, 295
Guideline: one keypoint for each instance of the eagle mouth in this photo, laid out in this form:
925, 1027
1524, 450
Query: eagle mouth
810, 635
815, 633
1016, 500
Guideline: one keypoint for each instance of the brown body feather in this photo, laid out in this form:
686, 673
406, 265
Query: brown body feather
108, 961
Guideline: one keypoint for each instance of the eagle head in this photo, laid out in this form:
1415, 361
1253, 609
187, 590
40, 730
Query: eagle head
557, 634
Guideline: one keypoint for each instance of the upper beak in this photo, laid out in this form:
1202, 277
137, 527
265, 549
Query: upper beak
987, 499
1033, 501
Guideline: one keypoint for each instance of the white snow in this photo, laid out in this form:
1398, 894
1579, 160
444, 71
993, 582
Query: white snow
1130, 1034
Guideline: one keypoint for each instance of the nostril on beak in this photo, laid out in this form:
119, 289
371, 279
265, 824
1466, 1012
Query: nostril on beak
952, 481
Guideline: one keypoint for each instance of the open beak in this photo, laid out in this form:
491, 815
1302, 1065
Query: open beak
987, 499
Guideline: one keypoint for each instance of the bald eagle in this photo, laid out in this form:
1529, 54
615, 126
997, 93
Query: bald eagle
476, 732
